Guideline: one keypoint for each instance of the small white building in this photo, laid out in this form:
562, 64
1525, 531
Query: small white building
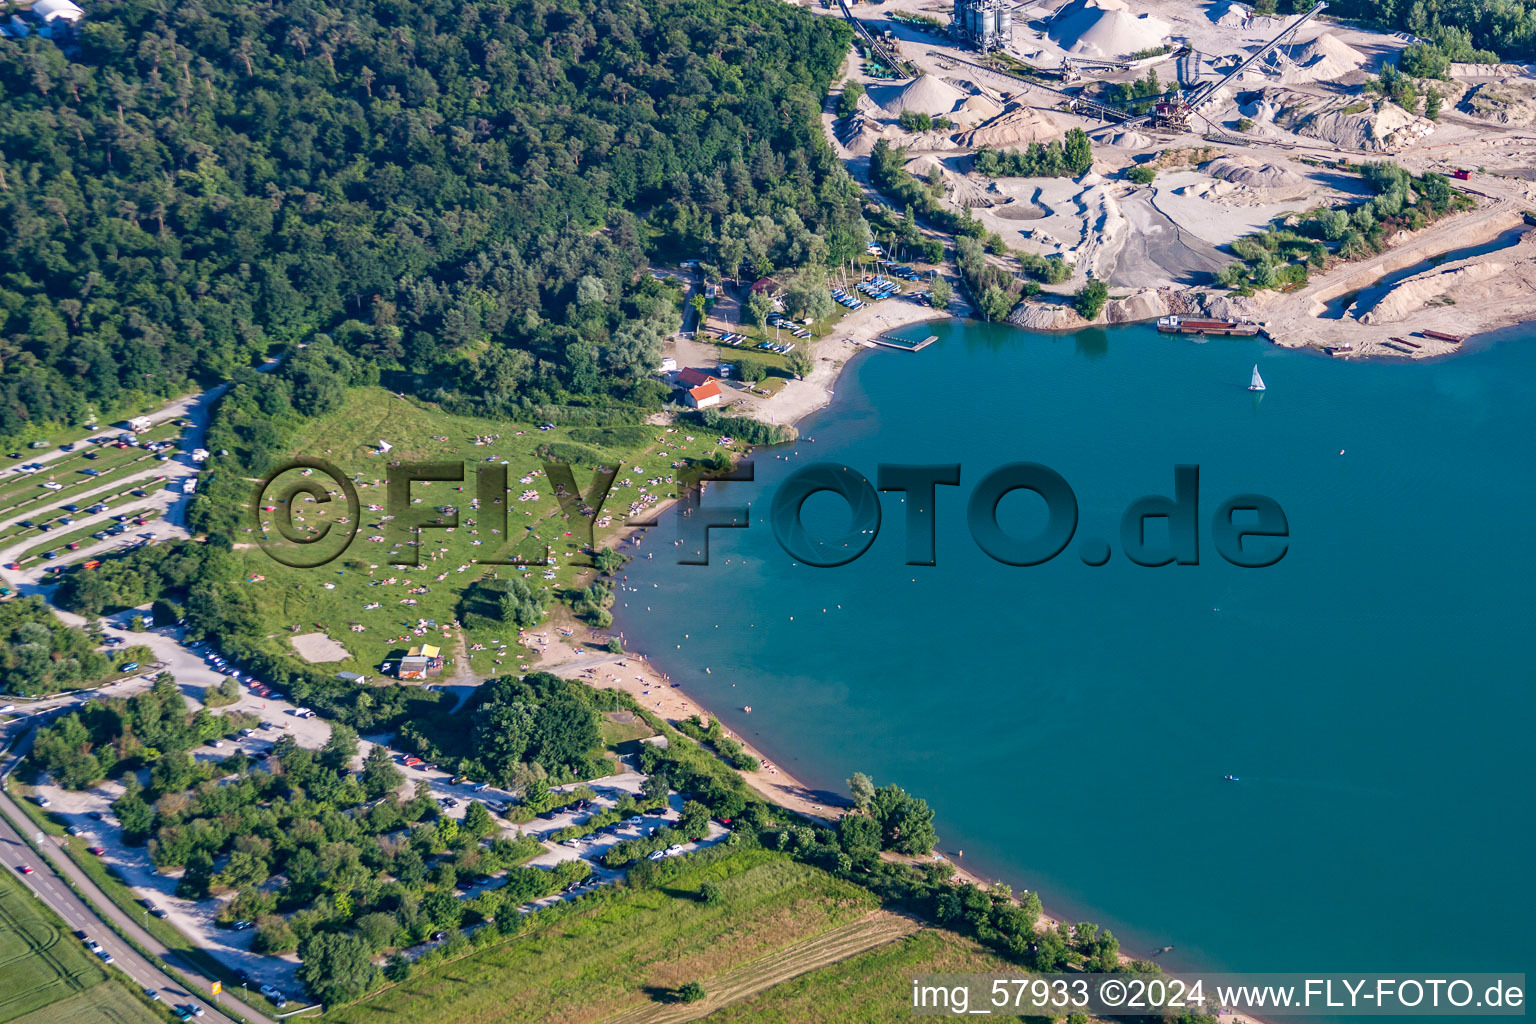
53, 10
668, 365
704, 396
139, 424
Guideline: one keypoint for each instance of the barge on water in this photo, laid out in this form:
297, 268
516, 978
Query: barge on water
1175, 324
1454, 339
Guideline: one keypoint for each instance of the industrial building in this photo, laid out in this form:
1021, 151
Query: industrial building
985, 24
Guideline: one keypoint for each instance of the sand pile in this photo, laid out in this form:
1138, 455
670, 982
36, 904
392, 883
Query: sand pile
923, 166
1231, 15
1106, 28
923, 95
977, 110
1042, 316
1019, 125
864, 133
1147, 304
1326, 58
1240, 18
1245, 170
1512, 103
1415, 293
1260, 109
1490, 70
1129, 140
1376, 131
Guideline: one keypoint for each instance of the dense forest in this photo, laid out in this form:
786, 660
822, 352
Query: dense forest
467, 192
1460, 28
39, 654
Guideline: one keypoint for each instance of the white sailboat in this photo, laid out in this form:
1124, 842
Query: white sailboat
1257, 384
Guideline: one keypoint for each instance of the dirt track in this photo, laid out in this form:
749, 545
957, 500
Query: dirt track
875, 929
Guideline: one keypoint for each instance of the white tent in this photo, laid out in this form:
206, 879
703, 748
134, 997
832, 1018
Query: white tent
384, 447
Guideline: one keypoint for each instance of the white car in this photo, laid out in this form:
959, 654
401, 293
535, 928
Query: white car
7, 709
52, 485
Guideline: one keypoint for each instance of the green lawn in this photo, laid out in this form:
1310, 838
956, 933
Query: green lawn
626, 948
48, 975
617, 732
334, 597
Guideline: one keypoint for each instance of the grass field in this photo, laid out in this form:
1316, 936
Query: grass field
873, 986
335, 597
615, 732
629, 949
48, 975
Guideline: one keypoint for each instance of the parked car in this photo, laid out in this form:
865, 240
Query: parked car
96, 851
131, 666
152, 995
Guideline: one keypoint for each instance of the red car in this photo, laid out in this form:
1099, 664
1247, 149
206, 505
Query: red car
96, 850
13, 565
411, 762
24, 869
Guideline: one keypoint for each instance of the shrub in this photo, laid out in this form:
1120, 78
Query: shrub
1090, 299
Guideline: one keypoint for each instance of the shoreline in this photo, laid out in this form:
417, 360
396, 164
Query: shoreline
582, 653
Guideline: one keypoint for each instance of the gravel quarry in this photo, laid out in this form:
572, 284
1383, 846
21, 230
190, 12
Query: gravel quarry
1268, 145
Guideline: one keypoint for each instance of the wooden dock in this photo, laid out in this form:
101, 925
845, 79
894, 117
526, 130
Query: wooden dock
905, 344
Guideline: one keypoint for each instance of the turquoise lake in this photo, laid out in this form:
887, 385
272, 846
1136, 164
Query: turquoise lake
1071, 726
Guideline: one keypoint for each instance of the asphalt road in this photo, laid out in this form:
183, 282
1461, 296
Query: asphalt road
47, 882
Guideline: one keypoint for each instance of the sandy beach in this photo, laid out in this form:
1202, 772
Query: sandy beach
632, 673
800, 398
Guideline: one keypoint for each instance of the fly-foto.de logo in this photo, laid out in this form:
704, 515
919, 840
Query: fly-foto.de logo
1247, 530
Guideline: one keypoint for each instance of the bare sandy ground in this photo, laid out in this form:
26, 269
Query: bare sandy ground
800, 398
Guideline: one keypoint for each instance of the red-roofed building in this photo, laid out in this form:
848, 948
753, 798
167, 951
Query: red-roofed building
767, 284
692, 378
703, 396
